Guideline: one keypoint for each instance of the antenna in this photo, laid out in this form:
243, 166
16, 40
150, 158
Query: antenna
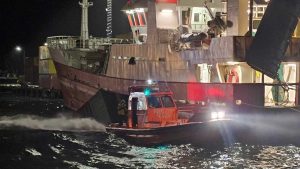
84, 20
109, 19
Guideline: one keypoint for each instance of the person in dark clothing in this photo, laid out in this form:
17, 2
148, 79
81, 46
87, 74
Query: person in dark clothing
134, 103
122, 112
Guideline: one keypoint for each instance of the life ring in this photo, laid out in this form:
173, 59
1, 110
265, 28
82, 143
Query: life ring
233, 76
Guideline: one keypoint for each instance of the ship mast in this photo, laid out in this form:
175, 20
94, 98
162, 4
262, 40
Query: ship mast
84, 20
109, 19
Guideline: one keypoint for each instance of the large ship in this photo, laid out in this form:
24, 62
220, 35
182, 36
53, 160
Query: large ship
196, 47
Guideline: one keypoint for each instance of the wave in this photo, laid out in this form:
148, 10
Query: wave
58, 123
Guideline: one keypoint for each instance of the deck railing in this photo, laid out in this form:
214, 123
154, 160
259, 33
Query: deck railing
70, 42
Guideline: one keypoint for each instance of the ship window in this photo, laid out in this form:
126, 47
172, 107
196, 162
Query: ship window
260, 15
256, 24
154, 102
167, 101
185, 17
196, 17
260, 9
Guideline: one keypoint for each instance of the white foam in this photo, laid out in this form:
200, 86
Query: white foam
67, 138
78, 165
33, 152
60, 123
56, 150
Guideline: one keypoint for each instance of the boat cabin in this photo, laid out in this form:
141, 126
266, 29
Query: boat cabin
151, 106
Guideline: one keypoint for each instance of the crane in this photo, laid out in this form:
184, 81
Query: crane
109, 19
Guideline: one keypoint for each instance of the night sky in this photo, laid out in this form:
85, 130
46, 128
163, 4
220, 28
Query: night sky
28, 23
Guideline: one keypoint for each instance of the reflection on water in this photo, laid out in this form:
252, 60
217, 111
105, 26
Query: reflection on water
63, 149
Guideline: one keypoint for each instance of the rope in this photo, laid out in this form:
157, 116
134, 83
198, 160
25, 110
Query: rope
285, 85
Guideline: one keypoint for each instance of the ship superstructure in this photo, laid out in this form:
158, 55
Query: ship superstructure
197, 47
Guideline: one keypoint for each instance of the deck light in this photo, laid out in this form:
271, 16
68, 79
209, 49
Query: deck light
238, 102
217, 115
139, 10
221, 115
150, 82
167, 11
129, 11
18, 48
232, 63
291, 64
214, 115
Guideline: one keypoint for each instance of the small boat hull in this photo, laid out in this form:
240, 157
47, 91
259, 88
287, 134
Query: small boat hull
196, 132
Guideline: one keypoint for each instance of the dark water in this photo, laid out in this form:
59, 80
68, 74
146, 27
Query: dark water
44, 135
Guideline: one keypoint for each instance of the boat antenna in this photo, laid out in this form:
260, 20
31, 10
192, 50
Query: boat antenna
85, 4
109, 19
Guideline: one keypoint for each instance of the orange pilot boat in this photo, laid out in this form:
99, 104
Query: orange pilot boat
154, 118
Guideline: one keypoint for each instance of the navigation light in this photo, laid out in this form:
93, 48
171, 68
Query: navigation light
147, 91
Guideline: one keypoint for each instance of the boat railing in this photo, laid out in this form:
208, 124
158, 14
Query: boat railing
70, 42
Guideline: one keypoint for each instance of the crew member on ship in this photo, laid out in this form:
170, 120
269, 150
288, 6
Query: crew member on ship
122, 112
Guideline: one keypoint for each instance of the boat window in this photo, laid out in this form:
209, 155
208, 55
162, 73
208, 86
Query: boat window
142, 103
154, 102
167, 101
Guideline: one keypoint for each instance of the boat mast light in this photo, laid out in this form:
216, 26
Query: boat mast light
149, 81
147, 92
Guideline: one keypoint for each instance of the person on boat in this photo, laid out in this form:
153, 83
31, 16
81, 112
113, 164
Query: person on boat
134, 109
122, 112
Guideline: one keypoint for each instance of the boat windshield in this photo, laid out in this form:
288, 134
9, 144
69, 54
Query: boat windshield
154, 102
167, 101
158, 102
